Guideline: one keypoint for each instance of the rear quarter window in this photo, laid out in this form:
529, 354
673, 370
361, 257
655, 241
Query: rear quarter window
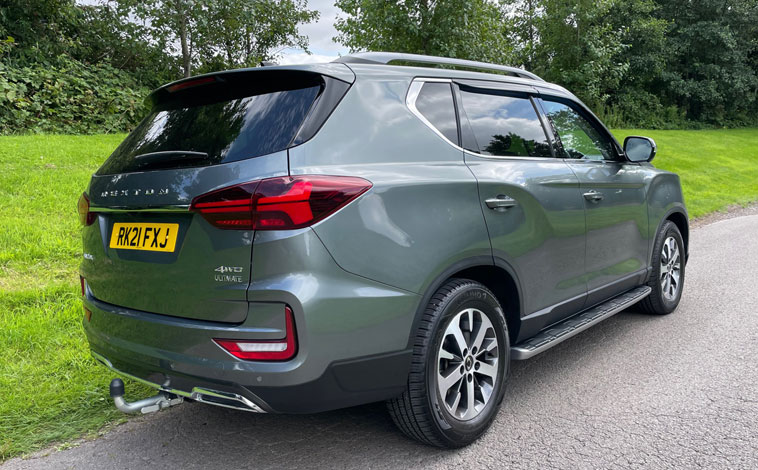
435, 103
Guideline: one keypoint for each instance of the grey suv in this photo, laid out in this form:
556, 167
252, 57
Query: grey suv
385, 227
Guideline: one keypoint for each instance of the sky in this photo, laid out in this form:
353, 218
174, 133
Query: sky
320, 34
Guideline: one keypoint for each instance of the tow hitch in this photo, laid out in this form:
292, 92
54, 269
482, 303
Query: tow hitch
146, 405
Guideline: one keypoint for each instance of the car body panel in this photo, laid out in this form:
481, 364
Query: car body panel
339, 316
359, 280
423, 209
543, 235
617, 225
189, 281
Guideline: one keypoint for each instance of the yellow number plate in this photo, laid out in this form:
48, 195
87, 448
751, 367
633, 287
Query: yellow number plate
149, 237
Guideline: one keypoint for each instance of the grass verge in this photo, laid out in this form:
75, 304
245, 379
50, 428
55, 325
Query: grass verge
718, 168
50, 389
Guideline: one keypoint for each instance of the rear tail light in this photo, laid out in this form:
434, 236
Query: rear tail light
85, 216
282, 203
257, 350
84, 285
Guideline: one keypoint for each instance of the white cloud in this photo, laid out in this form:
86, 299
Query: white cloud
320, 37
321, 32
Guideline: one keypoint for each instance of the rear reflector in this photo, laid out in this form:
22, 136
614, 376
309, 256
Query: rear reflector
258, 350
281, 203
85, 216
87, 314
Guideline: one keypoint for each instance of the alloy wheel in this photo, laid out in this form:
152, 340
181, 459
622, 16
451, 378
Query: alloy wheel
467, 364
671, 269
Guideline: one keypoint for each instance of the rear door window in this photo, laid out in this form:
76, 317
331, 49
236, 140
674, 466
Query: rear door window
435, 103
192, 132
504, 124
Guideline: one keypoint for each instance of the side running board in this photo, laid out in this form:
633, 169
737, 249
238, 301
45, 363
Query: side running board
560, 332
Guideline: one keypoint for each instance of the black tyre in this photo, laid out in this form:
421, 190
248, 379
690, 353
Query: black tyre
460, 363
667, 278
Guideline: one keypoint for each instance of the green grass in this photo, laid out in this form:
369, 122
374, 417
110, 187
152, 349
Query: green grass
52, 391
718, 168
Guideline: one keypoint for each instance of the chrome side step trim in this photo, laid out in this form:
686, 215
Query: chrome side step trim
199, 394
560, 332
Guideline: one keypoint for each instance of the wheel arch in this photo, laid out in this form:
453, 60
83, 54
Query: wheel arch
679, 219
497, 275
678, 216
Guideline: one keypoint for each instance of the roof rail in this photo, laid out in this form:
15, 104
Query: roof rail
387, 57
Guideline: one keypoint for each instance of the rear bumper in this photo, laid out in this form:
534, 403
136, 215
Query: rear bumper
352, 341
196, 374
344, 384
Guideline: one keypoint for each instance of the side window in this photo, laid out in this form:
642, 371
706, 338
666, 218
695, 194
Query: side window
579, 137
435, 102
504, 125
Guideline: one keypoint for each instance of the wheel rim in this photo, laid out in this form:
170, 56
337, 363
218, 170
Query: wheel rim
467, 364
671, 269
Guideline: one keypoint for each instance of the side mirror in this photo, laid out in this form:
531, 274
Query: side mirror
639, 149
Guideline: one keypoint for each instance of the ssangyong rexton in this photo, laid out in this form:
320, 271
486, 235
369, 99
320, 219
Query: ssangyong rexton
304, 238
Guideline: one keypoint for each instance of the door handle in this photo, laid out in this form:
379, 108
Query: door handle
501, 203
593, 196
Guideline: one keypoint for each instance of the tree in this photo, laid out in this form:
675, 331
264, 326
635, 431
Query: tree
244, 33
578, 48
221, 33
110, 38
168, 22
465, 29
710, 44
41, 29
524, 16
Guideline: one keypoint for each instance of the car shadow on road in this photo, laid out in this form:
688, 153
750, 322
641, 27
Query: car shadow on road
200, 435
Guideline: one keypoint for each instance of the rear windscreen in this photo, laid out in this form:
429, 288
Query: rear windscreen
214, 124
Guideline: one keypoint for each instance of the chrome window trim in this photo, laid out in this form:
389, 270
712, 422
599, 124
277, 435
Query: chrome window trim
410, 101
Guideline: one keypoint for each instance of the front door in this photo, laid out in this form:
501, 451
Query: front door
614, 197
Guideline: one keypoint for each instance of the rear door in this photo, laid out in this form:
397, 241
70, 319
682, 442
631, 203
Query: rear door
614, 197
531, 200
146, 250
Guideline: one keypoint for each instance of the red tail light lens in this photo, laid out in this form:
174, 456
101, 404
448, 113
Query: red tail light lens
282, 203
84, 285
279, 350
85, 216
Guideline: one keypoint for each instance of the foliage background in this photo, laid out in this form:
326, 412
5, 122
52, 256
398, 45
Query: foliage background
637, 63
73, 68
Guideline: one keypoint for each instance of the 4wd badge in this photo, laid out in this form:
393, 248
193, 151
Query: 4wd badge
225, 277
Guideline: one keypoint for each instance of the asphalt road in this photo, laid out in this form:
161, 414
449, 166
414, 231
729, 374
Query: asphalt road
632, 392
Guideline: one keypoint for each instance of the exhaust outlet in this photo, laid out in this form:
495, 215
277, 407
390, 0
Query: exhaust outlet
147, 405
